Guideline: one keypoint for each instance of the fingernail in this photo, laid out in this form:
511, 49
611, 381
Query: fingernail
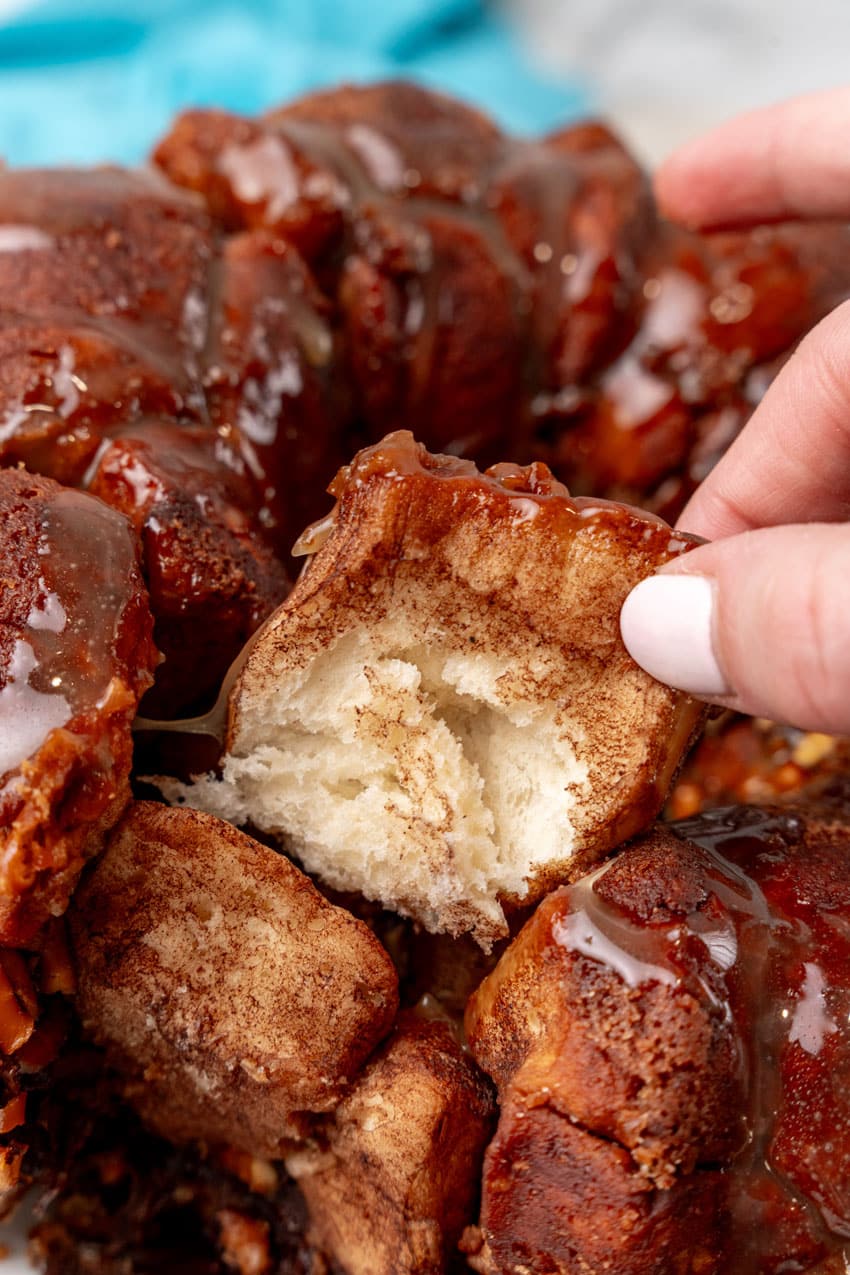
667, 623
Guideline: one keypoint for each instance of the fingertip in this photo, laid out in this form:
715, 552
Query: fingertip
768, 606
677, 187
667, 626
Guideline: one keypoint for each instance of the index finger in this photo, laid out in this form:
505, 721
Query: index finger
785, 161
791, 463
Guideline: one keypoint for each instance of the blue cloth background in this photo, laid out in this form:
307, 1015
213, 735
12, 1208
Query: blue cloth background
99, 80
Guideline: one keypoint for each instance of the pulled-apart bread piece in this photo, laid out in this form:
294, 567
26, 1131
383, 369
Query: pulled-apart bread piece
442, 715
76, 655
231, 995
395, 1177
670, 1041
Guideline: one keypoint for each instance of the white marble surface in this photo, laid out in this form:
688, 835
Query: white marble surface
663, 70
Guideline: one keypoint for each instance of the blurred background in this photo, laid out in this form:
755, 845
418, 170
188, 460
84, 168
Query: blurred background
91, 81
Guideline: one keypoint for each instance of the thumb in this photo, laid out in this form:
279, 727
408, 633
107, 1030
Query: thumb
759, 622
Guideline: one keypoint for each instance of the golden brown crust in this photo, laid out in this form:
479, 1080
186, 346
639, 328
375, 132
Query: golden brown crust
499, 597
393, 1179
660, 1033
232, 996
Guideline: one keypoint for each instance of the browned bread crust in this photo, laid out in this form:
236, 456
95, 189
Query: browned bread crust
233, 997
666, 1036
392, 1179
442, 715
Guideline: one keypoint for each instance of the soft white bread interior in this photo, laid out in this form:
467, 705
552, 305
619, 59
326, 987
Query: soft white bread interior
231, 996
442, 714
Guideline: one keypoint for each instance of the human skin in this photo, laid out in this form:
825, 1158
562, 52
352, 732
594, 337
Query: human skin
763, 624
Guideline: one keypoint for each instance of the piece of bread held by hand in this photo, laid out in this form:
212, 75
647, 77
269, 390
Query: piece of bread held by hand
442, 714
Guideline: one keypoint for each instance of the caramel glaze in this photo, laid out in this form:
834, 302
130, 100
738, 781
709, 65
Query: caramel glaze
182, 376
124, 303
75, 657
732, 927
535, 489
34, 1018
789, 995
102, 277
500, 295
212, 580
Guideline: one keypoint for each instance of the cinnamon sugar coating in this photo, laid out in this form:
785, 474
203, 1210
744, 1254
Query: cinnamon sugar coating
232, 996
442, 714
392, 1178
667, 1037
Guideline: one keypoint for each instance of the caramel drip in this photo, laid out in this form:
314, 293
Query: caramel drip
312, 538
398, 457
394, 199
562, 268
213, 722
772, 1016
144, 340
62, 663
764, 970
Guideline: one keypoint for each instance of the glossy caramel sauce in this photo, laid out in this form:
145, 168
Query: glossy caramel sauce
532, 488
63, 661
103, 314
212, 723
605, 341
125, 306
434, 239
624, 352
769, 954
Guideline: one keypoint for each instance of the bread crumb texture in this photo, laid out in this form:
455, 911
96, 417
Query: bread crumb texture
442, 715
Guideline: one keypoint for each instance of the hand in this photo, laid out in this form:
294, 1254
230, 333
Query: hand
759, 620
